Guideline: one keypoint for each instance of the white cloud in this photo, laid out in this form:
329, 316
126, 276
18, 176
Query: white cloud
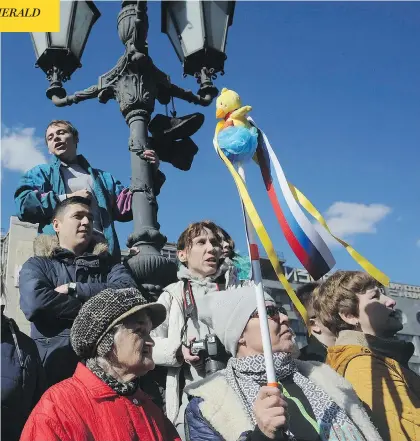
418, 243
21, 149
347, 219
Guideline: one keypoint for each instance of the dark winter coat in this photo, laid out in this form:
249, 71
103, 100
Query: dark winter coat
197, 428
313, 351
52, 314
22, 379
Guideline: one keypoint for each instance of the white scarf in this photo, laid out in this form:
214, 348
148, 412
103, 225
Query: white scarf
246, 376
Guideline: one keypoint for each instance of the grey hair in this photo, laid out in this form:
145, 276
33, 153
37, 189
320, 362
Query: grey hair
104, 351
107, 343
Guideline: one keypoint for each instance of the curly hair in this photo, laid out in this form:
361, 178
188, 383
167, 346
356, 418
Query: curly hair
193, 230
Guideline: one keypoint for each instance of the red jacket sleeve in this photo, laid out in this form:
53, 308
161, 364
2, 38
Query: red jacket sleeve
43, 427
48, 422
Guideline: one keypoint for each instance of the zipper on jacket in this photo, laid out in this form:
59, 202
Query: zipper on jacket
15, 340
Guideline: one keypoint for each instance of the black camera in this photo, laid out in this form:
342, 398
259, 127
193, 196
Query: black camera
211, 351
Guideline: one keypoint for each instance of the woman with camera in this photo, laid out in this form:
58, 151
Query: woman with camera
183, 345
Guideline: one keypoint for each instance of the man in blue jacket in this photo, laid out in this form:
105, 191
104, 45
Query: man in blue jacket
67, 270
44, 186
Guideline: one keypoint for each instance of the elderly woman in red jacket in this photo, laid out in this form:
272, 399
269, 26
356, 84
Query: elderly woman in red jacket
102, 400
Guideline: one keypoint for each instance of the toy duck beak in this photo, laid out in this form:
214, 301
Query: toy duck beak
220, 113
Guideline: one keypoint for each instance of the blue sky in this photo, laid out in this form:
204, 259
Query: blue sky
335, 86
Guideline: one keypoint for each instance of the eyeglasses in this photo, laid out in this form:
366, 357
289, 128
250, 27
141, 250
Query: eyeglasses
273, 312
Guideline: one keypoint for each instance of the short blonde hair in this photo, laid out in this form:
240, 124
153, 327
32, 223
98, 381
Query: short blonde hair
338, 294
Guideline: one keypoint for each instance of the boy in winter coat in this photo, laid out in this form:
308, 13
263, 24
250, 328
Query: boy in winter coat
368, 354
67, 270
69, 174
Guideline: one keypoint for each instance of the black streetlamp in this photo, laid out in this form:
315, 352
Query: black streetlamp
59, 53
135, 83
201, 49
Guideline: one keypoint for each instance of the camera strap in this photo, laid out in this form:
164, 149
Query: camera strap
189, 302
189, 306
188, 299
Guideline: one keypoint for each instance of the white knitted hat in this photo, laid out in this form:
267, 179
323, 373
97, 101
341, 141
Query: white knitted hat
227, 313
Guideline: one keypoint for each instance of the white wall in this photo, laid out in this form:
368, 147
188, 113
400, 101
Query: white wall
20, 247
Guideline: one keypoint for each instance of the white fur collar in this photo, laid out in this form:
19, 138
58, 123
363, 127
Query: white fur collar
221, 406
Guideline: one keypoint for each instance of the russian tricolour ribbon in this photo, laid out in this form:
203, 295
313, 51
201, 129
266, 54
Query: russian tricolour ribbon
287, 200
300, 233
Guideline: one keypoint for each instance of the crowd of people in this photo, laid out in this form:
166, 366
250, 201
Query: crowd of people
89, 370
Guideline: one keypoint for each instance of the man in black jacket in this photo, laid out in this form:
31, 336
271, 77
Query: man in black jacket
67, 270
22, 376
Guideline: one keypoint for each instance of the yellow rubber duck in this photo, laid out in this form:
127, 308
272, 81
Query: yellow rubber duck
229, 107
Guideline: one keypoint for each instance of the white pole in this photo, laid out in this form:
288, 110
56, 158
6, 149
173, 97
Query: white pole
259, 292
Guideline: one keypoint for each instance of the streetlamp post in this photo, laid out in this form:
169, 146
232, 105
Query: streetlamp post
135, 83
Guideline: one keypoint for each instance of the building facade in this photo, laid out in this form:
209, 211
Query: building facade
17, 247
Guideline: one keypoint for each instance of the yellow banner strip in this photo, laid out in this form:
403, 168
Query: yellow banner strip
261, 231
364, 263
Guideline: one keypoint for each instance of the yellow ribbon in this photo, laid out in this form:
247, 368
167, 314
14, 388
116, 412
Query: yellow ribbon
261, 231
364, 263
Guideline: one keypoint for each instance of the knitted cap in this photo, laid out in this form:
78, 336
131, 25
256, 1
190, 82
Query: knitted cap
103, 311
227, 313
